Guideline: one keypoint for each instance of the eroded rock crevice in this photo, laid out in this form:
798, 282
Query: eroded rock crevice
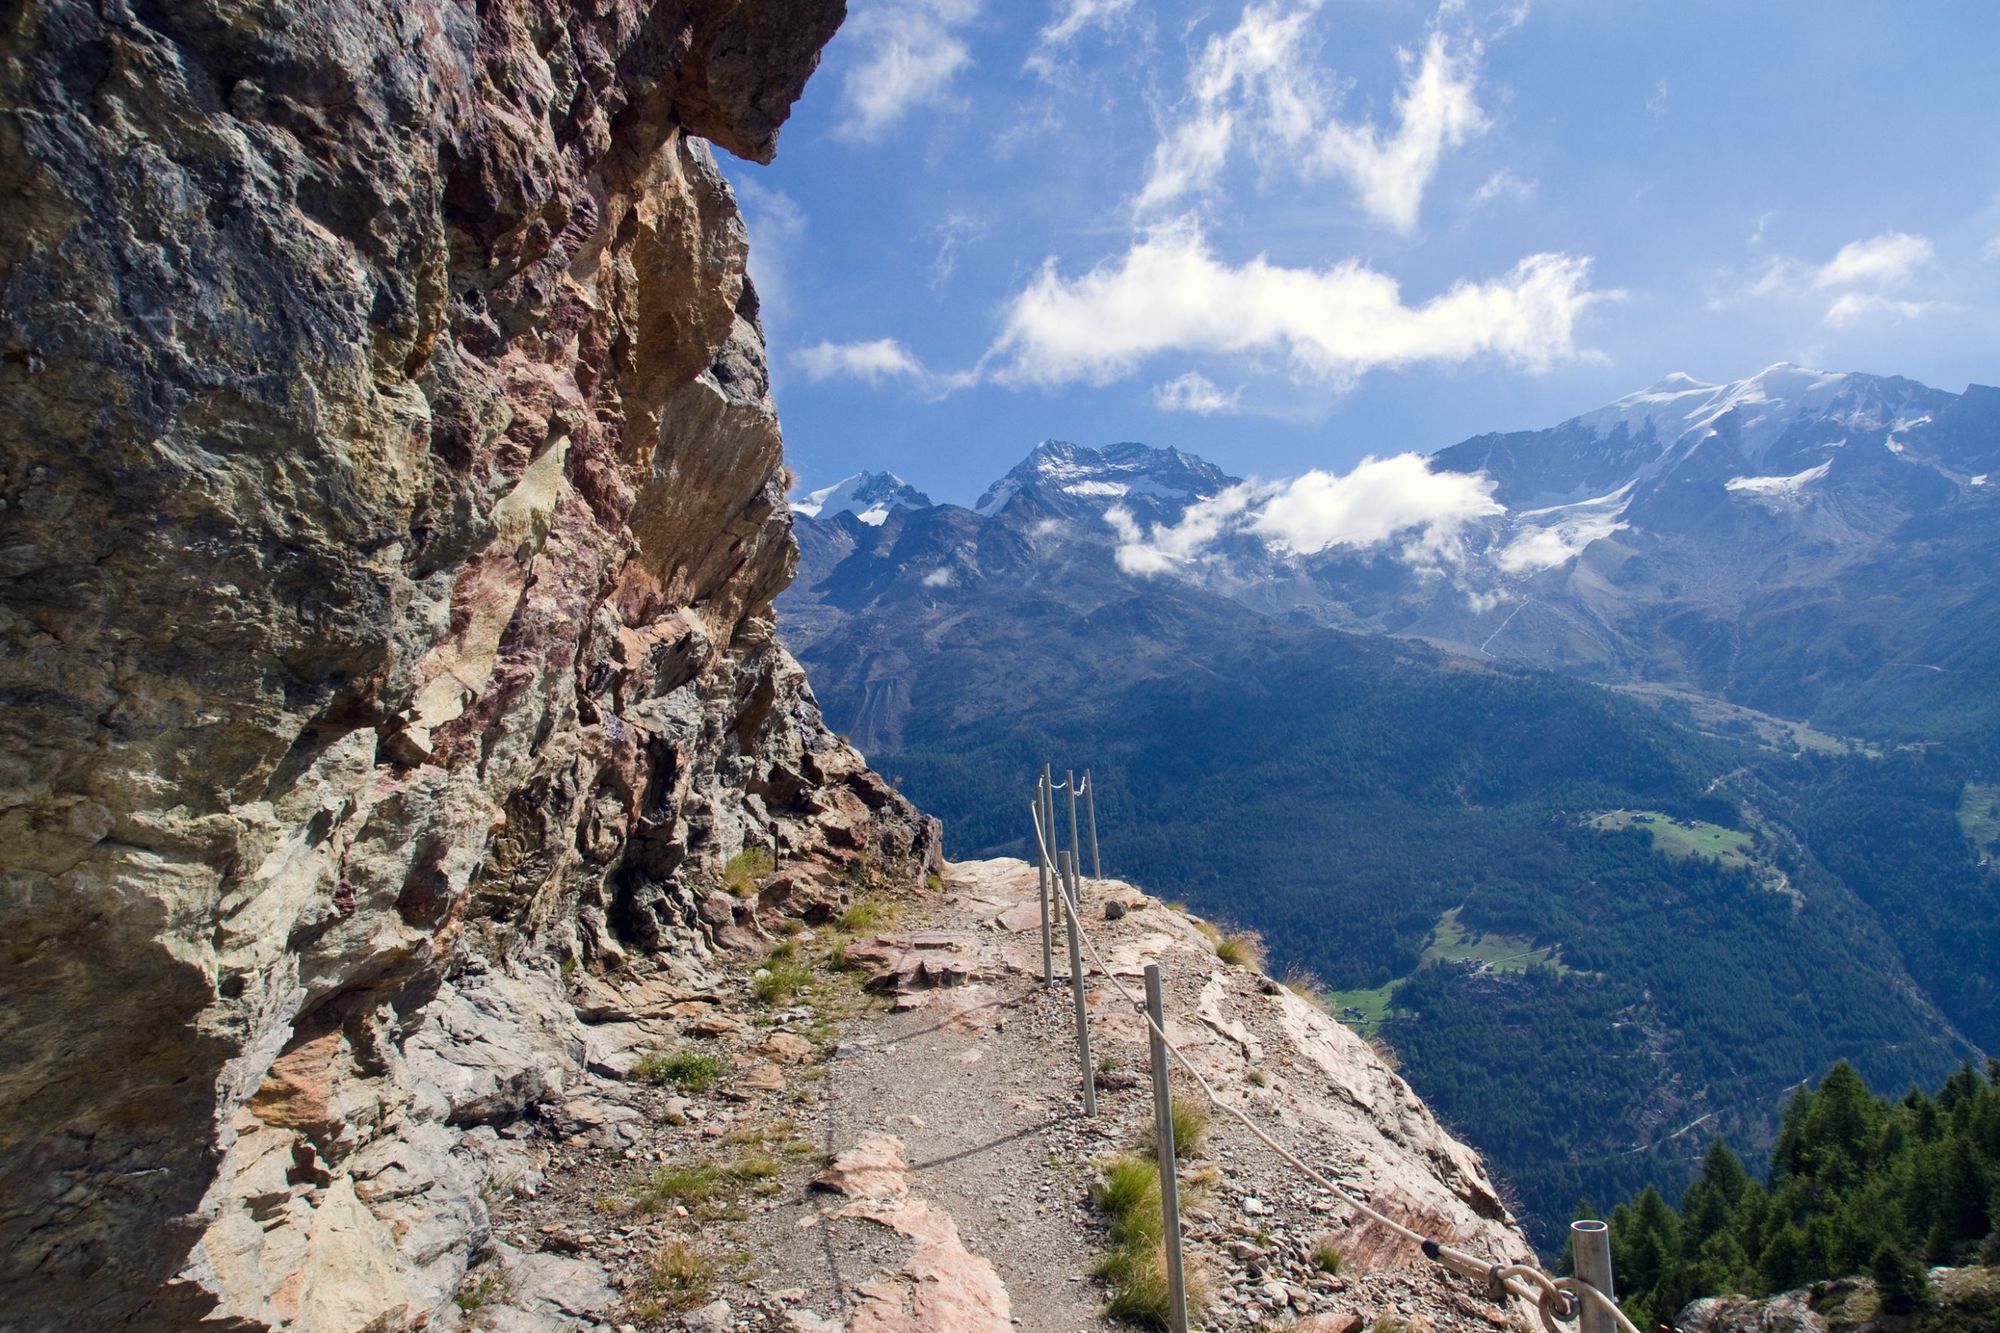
393, 504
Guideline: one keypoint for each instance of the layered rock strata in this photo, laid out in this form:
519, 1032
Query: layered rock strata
390, 510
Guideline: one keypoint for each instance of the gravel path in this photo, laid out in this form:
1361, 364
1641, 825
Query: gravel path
950, 1116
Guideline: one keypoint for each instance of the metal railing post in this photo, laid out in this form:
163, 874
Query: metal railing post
1049, 824
1075, 847
1066, 875
1090, 792
1590, 1242
1163, 1134
1042, 842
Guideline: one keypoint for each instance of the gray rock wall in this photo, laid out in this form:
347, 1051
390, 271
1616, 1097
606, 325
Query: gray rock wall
390, 510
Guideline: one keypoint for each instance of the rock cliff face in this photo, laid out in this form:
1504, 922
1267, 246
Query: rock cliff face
390, 511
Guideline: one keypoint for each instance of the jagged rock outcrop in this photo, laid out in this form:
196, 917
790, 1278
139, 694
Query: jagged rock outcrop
390, 511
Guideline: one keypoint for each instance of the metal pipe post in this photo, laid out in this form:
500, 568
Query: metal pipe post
1042, 842
1066, 875
1163, 1134
1075, 847
1590, 1242
1049, 824
1090, 791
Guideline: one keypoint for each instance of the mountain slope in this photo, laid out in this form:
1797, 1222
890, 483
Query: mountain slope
1369, 803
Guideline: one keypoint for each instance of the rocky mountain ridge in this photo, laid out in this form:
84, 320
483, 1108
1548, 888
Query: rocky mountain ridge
1433, 832
397, 743
1749, 541
393, 507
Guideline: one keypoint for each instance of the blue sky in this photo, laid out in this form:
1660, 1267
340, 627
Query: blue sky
1288, 235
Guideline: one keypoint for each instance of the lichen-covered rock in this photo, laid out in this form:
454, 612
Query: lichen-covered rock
390, 511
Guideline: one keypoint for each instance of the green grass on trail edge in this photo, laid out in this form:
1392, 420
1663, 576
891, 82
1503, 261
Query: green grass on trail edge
1451, 942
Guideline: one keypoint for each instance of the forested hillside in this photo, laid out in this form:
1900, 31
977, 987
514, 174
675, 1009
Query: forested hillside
1599, 925
1856, 1185
1353, 798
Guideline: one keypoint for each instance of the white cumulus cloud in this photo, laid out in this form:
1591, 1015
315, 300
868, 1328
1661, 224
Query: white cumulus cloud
1503, 187
1395, 501
1166, 546
1196, 393
1170, 293
1382, 498
1887, 260
1259, 84
910, 52
1851, 308
884, 358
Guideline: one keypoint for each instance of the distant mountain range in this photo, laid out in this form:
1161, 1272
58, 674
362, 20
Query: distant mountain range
1599, 924
1819, 546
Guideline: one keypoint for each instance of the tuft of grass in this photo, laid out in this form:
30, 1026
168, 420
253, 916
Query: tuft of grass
490, 1286
1259, 1079
679, 1276
688, 1184
1241, 950
743, 870
690, 1071
863, 915
1128, 1194
757, 1132
1384, 1052
1326, 1258
1190, 1131
755, 1165
1306, 984
779, 980
1139, 1291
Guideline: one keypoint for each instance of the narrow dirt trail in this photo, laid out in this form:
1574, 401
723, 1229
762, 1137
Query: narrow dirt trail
915, 1157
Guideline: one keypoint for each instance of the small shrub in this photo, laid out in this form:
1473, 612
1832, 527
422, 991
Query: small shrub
744, 869
779, 980
690, 1071
1326, 1258
678, 1278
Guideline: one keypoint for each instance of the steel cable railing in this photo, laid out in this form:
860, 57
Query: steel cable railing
1553, 1298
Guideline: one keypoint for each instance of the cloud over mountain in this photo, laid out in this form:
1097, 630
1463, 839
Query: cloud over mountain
1169, 292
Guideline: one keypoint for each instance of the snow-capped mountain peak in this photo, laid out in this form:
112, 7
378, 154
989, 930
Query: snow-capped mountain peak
1061, 475
1682, 411
869, 496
